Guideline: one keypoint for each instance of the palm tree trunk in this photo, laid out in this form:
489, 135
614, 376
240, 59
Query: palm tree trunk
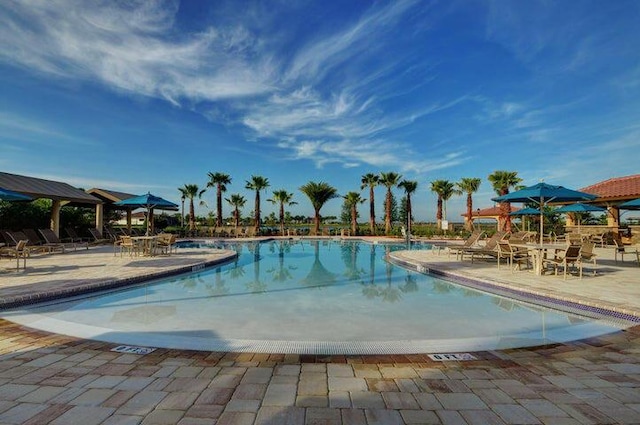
439, 212
317, 222
469, 223
372, 212
354, 221
257, 223
219, 206
282, 218
387, 217
192, 216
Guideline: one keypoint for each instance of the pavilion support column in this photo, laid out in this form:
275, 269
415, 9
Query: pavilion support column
570, 221
99, 217
613, 217
55, 216
129, 222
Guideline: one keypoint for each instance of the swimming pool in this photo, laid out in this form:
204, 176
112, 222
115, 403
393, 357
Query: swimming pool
309, 296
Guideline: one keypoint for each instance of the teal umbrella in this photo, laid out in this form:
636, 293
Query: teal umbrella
150, 202
10, 195
526, 211
542, 194
579, 207
630, 205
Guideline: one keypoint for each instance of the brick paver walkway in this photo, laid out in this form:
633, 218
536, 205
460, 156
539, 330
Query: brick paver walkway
53, 379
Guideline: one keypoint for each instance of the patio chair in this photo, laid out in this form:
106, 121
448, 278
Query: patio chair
19, 251
126, 244
51, 238
599, 239
166, 243
587, 254
621, 250
570, 258
512, 254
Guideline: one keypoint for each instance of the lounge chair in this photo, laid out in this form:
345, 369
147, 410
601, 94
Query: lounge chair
73, 235
51, 238
571, 257
36, 240
97, 237
490, 248
471, 241
19, 251
33, 248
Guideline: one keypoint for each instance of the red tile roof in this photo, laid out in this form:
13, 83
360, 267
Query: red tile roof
618, 187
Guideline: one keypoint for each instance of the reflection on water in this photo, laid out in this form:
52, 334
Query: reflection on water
319, 290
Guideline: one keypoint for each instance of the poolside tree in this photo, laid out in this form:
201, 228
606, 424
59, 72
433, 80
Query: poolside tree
183, 197
237, 201
409, 187
352, 200
502, 181
220, 182
282, 198
257, 183
318, 193
469, 186
389, 180
190, 191
371, 180
444, 189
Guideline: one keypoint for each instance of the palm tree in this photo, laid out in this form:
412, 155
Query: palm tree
371, 180
190, 191
318, 194
469, 186
409, 187
352, 199
389, 180
183, 196
444, 189
220, 181
282, 197
237, 201
257, 183
501, 182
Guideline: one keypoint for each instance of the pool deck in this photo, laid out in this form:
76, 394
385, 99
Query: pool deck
55, 379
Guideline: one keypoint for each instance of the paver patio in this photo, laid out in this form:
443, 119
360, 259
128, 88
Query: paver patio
55, 379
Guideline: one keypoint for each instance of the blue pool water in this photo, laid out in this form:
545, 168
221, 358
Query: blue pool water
309, 296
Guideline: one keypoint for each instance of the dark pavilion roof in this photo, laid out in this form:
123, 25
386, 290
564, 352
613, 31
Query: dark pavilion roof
48, 189
109, 196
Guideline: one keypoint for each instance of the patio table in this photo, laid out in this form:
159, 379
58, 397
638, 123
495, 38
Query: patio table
539, 252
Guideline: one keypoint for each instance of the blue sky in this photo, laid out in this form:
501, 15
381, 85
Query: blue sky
144, 96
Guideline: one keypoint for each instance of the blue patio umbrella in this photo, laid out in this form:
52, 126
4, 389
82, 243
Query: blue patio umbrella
579, 207
630, 205
526, 211
150, 202
10, 195
542, 194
